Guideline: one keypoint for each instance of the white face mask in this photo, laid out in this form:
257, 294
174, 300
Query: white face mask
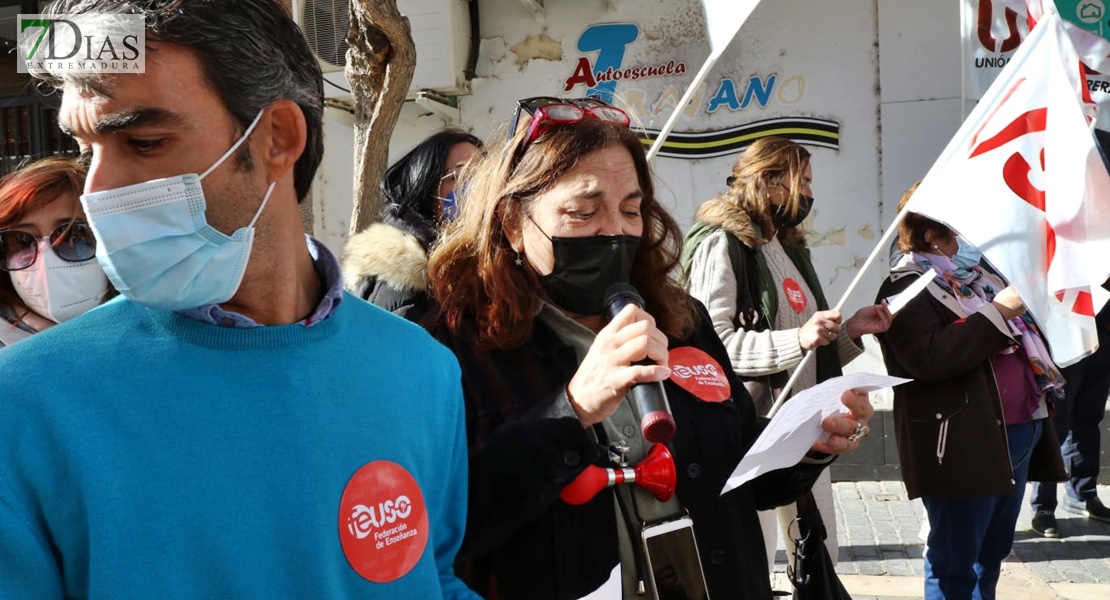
57, 289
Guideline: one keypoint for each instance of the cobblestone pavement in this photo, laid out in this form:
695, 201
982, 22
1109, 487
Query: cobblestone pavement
880, 551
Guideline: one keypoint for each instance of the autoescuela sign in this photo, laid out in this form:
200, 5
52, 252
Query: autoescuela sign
612, 42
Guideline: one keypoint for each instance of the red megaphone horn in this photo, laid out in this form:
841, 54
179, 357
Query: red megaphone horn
655, 474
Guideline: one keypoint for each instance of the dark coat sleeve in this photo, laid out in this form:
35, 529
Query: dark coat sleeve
522, 454
776, 488
517, 474
409, 304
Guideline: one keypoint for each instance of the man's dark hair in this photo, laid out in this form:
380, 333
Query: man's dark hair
410, 184
251, 53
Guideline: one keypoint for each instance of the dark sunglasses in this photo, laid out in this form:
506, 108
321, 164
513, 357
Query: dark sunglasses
547, 111
72, 242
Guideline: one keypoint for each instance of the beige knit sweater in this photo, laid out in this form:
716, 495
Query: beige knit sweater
712, 281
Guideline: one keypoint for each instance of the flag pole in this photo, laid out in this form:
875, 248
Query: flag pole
724, 19
884, 242
686, 97
963, 60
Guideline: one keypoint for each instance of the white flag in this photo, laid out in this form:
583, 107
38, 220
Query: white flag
724, 18
1092, 49
1023, 181
990, 33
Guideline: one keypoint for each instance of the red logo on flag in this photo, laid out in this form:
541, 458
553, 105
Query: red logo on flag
985, 23
1016, 173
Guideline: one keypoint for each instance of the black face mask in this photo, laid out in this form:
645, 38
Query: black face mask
780, 216
585, 267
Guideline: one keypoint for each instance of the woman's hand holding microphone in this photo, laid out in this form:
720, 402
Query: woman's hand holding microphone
609, 368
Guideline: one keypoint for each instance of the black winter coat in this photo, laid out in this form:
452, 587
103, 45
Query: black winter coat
385, 265
526, 444
949, 425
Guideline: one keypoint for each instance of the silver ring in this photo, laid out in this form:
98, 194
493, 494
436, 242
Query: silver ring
860, 433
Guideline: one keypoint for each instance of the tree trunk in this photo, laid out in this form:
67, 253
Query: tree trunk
381, 58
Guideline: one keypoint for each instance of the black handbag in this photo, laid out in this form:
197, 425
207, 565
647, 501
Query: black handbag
813, 574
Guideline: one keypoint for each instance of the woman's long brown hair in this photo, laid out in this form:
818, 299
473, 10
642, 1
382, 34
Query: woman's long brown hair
481, 292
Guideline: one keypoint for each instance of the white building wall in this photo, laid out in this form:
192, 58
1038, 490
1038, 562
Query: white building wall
919, 69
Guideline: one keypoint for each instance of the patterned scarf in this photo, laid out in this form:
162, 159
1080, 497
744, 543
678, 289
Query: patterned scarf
972, 291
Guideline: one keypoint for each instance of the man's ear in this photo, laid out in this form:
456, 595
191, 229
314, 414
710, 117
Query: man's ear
287, 135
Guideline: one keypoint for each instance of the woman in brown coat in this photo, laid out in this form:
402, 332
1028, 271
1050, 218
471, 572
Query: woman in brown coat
969, 422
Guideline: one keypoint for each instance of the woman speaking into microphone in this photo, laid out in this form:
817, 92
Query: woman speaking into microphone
555, 216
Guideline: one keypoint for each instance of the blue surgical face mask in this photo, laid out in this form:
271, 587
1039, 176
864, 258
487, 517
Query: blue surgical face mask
449, 207
968, 252
156, 246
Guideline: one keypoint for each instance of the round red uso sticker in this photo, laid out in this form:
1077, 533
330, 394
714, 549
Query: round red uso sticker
697, 373
383, 524
794, 295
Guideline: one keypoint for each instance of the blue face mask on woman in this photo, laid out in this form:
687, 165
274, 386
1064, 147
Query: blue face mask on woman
156, 246
449, 205
968, 252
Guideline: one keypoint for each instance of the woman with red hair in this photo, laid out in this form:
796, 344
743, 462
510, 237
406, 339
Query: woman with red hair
47, 249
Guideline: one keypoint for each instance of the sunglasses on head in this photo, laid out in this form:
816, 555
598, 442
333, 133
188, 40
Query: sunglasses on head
547, 111
72, 242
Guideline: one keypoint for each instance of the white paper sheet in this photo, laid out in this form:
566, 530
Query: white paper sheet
896, 302
610, 590
797, 425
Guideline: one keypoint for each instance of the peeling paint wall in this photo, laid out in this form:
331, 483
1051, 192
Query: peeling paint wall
884, 71
537, 47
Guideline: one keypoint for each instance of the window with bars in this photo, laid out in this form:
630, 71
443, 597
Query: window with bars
29, 130
28, 120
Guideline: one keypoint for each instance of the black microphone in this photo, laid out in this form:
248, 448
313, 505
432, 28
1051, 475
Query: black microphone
649, 400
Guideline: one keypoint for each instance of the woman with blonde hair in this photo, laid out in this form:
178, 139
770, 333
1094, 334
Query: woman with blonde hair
46, 249
554, 218
747, 260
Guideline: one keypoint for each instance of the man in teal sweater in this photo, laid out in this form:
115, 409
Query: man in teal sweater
234, 426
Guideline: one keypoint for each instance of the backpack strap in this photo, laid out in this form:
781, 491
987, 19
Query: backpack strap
748, 314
